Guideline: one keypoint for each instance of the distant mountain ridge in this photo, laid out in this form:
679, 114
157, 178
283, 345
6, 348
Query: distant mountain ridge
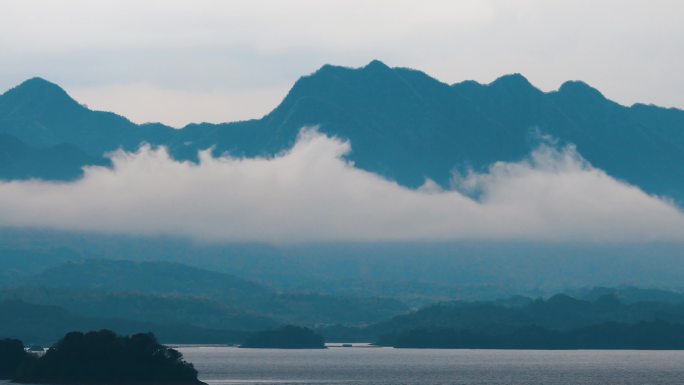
557, 313
175, 293
44, 324
402, 124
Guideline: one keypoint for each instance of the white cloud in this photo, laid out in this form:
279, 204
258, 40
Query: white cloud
311, 193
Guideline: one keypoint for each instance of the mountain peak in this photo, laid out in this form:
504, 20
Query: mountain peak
37, 81
376, 65
38, 84
579, 88
514, 80
39, 90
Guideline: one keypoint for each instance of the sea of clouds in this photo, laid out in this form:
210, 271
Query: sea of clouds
311, 193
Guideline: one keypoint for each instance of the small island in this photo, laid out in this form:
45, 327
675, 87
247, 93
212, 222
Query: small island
98, 357
285, 337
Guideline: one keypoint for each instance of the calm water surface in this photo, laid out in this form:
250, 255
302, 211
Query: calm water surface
227, 365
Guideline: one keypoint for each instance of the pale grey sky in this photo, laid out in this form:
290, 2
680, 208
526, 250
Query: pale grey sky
180, 62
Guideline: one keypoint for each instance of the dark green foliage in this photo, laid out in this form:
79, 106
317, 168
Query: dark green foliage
653, 335
102, 357
286, 337
12, 355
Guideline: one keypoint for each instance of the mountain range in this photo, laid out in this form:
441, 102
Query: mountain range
559, 312
183, 304
414, 273
181, 294
402, 124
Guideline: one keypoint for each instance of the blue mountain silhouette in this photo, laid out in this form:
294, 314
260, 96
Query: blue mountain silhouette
402, 123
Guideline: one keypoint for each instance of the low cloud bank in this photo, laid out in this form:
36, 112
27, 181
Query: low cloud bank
310, 193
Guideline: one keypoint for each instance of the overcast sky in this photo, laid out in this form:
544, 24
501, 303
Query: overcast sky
180, 62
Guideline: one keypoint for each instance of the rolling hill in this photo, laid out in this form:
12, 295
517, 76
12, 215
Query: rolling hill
172, 293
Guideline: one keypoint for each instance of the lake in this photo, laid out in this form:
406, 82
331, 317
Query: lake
378, 366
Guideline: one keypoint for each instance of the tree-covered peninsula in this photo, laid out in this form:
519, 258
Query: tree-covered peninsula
98, 357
